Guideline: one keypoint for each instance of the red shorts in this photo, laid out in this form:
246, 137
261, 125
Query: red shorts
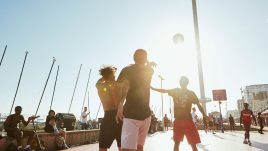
187, 128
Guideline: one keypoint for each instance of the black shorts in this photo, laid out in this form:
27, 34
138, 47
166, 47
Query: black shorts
16, 133
110, 130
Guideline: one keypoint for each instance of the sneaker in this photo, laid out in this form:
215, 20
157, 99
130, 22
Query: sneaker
65, 147
249, 143
20, 149
245, 142
27, 149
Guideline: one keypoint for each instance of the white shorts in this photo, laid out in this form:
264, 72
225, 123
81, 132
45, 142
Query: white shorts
134, 132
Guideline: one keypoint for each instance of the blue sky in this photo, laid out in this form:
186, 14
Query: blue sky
234, 43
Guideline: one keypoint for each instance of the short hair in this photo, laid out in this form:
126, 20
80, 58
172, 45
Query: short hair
18, 108
50, 111
138, 53
184, 81
105, 71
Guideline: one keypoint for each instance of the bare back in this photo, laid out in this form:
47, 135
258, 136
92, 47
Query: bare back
109, 94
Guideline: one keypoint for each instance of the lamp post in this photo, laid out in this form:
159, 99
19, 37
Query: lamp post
199, 57
162, 98
170, 100
221, 120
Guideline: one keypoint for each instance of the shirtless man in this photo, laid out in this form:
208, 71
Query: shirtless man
183, 99
109, 92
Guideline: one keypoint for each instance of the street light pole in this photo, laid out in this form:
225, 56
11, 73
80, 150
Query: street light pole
199, 57
221, 120
162, 97
170, 99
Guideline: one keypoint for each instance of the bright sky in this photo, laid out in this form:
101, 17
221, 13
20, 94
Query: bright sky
234, 43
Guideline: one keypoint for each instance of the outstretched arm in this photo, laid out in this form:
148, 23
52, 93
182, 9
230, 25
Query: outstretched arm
25, 123
160, 90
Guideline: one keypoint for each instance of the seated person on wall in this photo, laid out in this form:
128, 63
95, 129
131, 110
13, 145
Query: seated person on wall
60, 134
49, 128
10, 126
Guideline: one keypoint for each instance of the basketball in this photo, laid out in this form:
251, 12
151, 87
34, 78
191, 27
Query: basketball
178, 38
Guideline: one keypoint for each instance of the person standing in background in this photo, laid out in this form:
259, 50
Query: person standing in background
231, 122
261, 123
194, 116
84, 115
245, 118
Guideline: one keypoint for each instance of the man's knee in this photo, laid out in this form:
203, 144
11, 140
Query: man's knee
140, 148
16, 134
128, 149
194, 147
176, 143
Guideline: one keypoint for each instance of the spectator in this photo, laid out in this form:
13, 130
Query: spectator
60, 134
84, 115
231, 122
211, 125
194, 116
49, 128
165, 123
261, 123
10, 126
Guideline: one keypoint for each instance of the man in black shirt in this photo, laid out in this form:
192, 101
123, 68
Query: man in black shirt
136, 110
13, 131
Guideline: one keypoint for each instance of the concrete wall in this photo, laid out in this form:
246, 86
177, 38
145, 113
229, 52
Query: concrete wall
73, 138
